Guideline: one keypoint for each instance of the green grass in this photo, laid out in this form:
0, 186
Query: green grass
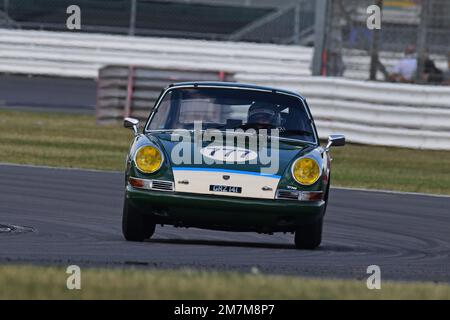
62, 140
65, 140
392, 169
25, 282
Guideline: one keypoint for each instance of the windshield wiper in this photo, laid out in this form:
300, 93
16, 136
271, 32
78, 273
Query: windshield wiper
296, 132
243, 126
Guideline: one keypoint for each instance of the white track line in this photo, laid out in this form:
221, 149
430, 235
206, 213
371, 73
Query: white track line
394, 192
56, 168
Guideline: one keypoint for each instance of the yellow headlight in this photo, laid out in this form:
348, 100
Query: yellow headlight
148, 159
306, 171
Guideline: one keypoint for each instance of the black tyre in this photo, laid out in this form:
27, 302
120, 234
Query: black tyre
309, 236
135, 225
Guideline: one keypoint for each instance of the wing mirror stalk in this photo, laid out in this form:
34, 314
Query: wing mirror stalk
335, 140
131, 123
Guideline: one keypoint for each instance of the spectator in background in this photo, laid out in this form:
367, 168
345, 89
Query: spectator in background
405, 70
447, 73
431, 73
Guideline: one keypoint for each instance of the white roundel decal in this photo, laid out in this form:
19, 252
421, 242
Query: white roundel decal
229, 154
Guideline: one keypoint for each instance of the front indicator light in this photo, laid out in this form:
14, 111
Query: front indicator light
300, 195
306, 171
148, 159
139, 183
310, 196
156, 185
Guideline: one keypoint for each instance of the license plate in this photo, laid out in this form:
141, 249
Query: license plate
230, 189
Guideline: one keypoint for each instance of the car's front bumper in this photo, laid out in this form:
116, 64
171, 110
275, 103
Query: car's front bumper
223, 212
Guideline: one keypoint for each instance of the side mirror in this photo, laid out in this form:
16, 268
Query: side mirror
131, 123
335, 140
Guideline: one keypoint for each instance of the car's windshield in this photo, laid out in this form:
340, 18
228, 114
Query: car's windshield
225, 108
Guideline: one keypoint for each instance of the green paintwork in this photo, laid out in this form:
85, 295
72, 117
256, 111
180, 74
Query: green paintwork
226, 212
287, 152
221, 212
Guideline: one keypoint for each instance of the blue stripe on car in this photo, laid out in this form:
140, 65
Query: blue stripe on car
273, 176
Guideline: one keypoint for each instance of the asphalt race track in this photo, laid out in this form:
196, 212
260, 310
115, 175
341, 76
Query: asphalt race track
54, 94
57, 216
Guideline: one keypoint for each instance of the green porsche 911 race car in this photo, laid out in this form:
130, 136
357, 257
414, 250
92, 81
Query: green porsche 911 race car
228, 156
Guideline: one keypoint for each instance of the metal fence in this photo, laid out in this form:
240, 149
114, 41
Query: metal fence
344, 46
289, 24
124, 91
410, 30
274, 21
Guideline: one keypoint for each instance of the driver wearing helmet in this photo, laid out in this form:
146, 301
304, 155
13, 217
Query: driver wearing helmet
263, 115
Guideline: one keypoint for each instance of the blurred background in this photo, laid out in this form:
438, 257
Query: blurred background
64, 94
336, 28
388, 86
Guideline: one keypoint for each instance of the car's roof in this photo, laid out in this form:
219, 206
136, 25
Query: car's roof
234, 85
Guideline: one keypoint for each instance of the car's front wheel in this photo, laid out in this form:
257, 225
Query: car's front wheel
135, 225
309, 236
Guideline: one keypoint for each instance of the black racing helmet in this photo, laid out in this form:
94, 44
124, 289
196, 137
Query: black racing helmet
263, 113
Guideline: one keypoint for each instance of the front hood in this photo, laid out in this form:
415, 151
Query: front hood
236, 168
267, 160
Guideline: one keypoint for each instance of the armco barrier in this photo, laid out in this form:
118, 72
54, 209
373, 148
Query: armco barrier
368, 112
74, 54
412, 116
133, 91
368, 91
82, 54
